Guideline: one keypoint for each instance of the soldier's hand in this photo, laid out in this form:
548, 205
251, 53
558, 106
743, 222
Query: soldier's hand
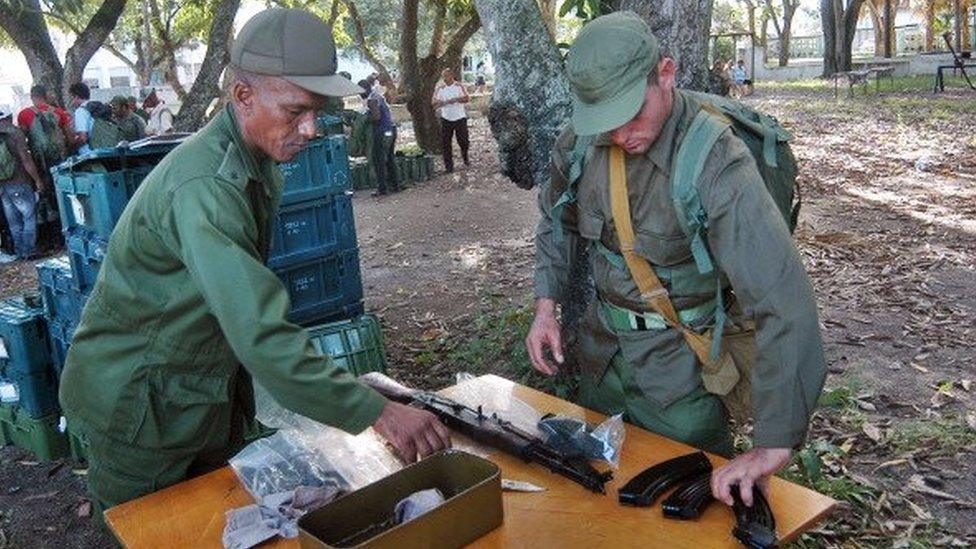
749, 470
412, 432
545, 333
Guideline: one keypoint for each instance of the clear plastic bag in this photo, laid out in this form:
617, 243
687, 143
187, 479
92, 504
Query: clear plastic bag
575, 437
282, 462
360, 459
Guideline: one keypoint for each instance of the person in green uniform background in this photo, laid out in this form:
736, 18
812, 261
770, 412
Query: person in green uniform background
184, 312
131, 126
624, 96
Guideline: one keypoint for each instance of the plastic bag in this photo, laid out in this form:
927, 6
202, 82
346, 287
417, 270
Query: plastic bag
575, 437
360, 459
494, 401
282, 462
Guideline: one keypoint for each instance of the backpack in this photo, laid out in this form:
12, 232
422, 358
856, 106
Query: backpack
8, 162
46, 138
105, 133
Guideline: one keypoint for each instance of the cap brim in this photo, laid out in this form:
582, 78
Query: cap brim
332, 85
596, 118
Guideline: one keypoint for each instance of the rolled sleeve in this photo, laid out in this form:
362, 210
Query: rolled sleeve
751, 243
214, 232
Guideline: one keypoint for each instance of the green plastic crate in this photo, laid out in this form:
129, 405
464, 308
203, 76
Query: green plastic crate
39, 436
356, 344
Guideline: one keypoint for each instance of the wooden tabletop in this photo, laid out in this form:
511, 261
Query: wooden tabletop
191, 514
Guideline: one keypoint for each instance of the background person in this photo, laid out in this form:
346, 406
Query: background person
19, 181
80, 95
131, 126
449, 98
382, 149
160, 119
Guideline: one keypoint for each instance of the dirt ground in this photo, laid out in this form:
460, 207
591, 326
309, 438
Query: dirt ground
887, 232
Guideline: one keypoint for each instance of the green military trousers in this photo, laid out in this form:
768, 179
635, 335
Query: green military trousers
698, 419
119, 472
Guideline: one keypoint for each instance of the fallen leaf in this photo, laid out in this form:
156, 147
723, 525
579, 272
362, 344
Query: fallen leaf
873, 432
971, 420
85, 509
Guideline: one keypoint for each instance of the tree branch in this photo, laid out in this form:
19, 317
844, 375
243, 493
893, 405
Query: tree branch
359, 35
440, 12
90, 39
334, 12
461, 37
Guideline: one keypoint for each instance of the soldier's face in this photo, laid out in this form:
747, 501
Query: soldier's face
277, 116
636, 136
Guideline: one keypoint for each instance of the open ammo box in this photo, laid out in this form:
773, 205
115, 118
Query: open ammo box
473, 507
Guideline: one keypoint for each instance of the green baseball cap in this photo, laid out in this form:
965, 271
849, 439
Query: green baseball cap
292, 44
119, 101
607, 69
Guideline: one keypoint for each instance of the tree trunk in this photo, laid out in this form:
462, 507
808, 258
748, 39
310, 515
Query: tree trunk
877, 25
929, 25
359, 35
682, 26
23, 21
207, 86
530, 103
889, 29
828, 23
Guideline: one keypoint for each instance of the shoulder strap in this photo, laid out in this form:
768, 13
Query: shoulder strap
641, 271
689, 162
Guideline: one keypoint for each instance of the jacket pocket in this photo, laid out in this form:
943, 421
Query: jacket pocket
183, 410
590, 225
662, 249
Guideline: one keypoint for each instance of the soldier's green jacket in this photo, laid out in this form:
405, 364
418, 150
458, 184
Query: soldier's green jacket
747, 237
183, 300
132, 127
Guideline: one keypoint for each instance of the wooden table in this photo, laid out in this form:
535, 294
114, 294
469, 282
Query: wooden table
191, 514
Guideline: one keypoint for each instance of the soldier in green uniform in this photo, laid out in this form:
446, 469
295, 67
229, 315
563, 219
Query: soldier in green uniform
131, 126
185, 312
623, 94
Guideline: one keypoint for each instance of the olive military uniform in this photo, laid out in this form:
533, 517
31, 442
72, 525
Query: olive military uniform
651, 374
132, 127
184, 312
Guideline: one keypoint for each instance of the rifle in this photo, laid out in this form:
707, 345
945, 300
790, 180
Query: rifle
492, 431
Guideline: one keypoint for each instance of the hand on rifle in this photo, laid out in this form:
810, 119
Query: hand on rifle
545, 333
412, 432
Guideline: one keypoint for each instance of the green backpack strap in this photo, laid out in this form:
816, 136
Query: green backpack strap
576, 160
693, 152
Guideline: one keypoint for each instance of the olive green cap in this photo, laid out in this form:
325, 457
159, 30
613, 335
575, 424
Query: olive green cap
119, 101
292, 44
607, 69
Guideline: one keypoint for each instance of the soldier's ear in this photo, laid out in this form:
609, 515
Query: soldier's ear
666, 71
242, 94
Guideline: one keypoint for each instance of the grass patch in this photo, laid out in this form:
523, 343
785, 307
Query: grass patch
939, 437
499, 348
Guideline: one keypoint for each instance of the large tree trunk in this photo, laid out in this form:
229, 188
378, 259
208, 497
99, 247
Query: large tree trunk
206, 87
877, 25
682, 26
530, 102
929, 25
23, 21
419, 76
839, 25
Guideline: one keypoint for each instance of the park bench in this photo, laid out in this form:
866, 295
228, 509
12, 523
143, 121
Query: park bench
958, 64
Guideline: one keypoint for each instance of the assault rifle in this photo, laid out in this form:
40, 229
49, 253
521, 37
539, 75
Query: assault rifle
492, 431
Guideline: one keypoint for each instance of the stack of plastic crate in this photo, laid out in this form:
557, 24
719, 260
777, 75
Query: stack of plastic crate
29, 413
314, 249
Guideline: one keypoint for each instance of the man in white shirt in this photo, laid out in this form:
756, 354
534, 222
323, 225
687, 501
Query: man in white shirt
449, 98
160, 117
